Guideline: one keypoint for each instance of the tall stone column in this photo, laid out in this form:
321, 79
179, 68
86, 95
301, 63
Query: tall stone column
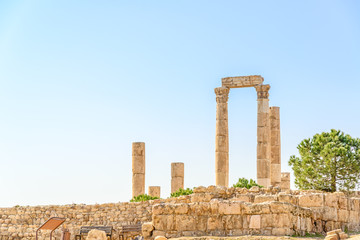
275, 143
222, 137
263, 136
138, 168
177, 176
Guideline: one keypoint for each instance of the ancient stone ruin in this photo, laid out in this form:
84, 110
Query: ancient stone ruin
268, 132
215, 210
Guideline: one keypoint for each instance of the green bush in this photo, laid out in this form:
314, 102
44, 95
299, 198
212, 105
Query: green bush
244, 183
143, 198
182, 192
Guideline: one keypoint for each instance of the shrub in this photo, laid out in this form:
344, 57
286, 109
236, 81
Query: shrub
244, 183
182, 192
143, 198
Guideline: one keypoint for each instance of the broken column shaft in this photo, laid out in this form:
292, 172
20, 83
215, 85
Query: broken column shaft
138, 168
177, 176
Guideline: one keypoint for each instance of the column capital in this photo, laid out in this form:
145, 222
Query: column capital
262, 91
222, 94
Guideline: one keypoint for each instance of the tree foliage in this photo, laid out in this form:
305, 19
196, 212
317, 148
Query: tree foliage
329, 161
143, 198
244, 183
181, 192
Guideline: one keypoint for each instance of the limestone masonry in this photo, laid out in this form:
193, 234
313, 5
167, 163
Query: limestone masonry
268, 132
209, 211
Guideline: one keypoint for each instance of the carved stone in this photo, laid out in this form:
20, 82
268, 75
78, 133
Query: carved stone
275, 171
285, 181
138, 168
242, 81
154, 191
222, 137
177, 176
263, 136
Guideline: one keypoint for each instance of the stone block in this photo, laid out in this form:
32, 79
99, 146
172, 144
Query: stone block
154, 191
181, 208
343, 215
255, 209
164, 222
281, 207
229, 208
215, 223
255, 221
232, 222
199, 208
329, 214
95, 234
177, 169
343, 203
147, 229
160, 238
138, 164
176, 183
265, 198
185, 223
138, 184
242, 81
311, 200
138, 149
331, 200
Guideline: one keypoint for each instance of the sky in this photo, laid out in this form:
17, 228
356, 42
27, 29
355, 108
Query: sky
81, 80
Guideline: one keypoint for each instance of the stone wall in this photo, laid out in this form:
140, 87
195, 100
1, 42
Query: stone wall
22, 222
211, 211
215, 211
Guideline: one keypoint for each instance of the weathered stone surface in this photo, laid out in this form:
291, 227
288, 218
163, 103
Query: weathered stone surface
313, 200
255, 221
285, 181
138, 168
160, 238
147, 229
242, 81
263, 136
96, 235
154, 191
222, 138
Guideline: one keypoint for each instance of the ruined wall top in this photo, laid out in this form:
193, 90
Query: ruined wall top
242, 81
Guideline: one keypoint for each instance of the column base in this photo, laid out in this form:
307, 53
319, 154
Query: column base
265, 182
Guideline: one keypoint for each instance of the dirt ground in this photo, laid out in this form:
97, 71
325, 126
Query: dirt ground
351, 236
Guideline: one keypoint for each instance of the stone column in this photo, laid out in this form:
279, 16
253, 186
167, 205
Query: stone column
285, 181
263, 136
222, 137
177, 176
154, 191
138, 168
275, 169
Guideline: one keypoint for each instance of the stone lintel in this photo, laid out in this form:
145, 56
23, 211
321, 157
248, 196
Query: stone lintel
242, 81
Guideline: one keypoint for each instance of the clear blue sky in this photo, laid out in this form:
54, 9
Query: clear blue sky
81, 80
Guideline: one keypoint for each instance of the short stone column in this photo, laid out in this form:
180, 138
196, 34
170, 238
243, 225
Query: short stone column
275, 143
285, 181
177, 176
154, 191
138, 168
263, 136
222, 137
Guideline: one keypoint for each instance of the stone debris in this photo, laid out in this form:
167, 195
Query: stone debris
95, 234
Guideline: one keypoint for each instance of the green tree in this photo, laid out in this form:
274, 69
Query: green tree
244, 183
329, 161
